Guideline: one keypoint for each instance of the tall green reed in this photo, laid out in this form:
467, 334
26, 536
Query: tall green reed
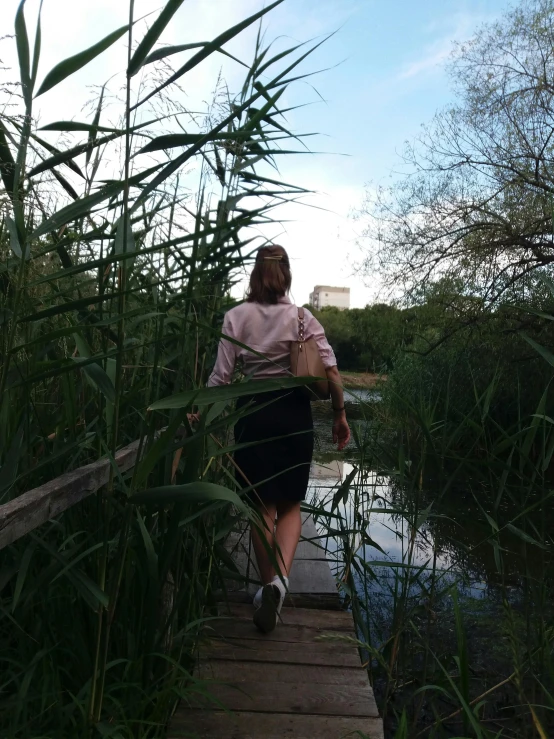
419, 626
113, 280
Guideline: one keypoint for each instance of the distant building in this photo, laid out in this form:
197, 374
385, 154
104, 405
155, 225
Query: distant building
324, 295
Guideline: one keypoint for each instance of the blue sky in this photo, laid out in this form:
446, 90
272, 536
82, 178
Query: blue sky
386, 79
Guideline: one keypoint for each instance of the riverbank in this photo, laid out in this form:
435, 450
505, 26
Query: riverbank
361, 380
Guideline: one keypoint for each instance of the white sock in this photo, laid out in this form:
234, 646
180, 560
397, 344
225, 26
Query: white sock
282, 589
258, 597
280, 580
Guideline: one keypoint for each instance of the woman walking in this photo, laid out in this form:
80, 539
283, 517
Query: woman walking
278, 469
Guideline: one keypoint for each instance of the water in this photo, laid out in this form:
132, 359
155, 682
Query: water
456, 530
453, 544
424, 551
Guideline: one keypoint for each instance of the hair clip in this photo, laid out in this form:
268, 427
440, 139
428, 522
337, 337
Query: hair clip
273, 259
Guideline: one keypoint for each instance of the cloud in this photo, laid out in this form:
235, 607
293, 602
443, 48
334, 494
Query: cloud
322, 243
457, 27
434, 57
319, 238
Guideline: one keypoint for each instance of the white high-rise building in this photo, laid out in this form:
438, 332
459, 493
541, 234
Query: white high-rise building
323, 295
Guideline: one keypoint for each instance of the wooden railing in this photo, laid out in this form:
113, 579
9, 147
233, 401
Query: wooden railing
35, 507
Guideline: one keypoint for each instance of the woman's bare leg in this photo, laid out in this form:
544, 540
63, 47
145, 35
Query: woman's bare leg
287, 534
265, 566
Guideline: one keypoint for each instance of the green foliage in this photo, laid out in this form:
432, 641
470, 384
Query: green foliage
367, 339
459, 355
475, 200
444, 351
66, 68
455, 616
127, 269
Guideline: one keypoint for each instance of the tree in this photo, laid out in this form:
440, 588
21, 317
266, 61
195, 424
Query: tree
478, 202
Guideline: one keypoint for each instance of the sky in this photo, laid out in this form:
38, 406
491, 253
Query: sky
383, 77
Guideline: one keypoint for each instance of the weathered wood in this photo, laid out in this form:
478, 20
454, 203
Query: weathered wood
244, 629
31, 509
311, 546
322, 699
248, 650
310, 574
243, 725
310, 550
327, 620
320, 601
254, 672
302, 680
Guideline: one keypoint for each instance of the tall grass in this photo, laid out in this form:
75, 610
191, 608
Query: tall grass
113, 279
456, 625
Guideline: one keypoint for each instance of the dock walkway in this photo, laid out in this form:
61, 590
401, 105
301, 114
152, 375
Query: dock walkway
303, 681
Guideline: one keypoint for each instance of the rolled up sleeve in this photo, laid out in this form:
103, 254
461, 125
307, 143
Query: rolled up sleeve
315, 329
226, 359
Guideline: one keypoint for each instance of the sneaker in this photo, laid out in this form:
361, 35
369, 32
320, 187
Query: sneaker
265, 617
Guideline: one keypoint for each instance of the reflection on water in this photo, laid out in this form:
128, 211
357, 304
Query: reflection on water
361, 395
454, 540
425, 556
333, 471
394, 542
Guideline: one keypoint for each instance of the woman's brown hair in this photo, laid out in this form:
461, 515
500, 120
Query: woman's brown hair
271, 277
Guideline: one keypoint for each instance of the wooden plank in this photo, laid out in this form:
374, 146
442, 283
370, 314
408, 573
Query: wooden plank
310, 545
245, 629
331, 620
208, 725
319, 601
307, 576
255, 672
292, 682
35, 507
248, 650
312, 576
321, 699
309, 550
310, 573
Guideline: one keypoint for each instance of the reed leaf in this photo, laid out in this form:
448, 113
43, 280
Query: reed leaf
209, 49
98, 378
195, 492
14, 239
152, 35
205, 396
23, 53
37, 47
7, 162
72, 64
81, 207
92, 340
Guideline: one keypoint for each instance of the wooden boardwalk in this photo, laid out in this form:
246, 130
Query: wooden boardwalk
303, 681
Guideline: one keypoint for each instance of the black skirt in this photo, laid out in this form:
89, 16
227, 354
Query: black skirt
287, 458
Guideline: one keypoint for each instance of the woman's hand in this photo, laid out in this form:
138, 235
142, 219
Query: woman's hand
341, 431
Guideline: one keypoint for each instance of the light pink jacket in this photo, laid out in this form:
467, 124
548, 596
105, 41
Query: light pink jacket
269, 329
